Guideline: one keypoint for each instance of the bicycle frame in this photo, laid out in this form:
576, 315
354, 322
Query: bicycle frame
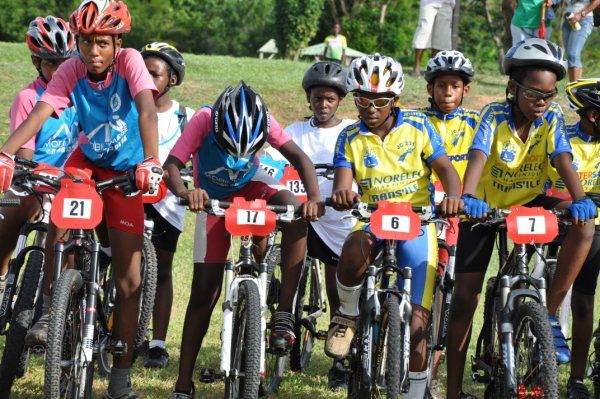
236, 272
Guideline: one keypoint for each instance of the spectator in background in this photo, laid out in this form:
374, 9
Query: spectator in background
526, 19
576, 30
434, 30
335, 45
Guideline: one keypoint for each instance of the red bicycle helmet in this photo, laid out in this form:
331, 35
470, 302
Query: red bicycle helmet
50, 38
103, 17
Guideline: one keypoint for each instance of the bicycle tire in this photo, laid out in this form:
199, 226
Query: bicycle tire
22, 318
357, 389
63, 342
531, 321
386, 367
436, 320
149, 270
245, 344
301, 351
107, 301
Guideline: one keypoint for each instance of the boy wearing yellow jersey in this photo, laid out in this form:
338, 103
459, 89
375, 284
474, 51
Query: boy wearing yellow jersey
584, 137
390, 153
513, 141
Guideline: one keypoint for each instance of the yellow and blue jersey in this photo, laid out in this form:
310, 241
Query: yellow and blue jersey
396, 168
516, 171
457, 130
586, 162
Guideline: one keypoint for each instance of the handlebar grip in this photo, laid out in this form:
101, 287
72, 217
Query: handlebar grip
26, 162
323, 166
12, 202
183, 201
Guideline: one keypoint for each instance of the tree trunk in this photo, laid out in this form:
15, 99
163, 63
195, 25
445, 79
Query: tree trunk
455, 26
382, 13
497, 39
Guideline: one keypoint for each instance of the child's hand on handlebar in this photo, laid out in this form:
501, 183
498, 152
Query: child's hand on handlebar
312, 210
196, 198
345, 199
451, 206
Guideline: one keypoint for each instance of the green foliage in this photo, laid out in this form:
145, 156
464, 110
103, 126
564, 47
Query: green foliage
297, 23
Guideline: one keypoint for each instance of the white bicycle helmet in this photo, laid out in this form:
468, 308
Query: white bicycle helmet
50, 38
449, 61
535, 52
375, 74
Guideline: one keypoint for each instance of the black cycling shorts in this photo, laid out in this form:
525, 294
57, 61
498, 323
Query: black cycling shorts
317, 249
586, 280
165, 235
475, 246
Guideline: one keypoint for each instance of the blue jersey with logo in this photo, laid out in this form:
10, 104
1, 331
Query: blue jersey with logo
57, 138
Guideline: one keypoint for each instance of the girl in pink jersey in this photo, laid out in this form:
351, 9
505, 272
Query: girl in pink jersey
114, 95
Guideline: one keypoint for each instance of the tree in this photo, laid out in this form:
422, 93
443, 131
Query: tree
297, 23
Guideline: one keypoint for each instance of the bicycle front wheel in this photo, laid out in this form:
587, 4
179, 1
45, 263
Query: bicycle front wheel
535, 361
15, 357
149, 271
244, 378
388, 346
64, 376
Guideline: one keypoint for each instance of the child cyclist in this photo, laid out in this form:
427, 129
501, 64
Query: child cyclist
584, 137
167, 68
448, 76
114, 95
223, 143
510, 152
388, 144
51, 43
325, 86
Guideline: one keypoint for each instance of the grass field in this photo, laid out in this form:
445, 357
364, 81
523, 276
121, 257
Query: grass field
206, 76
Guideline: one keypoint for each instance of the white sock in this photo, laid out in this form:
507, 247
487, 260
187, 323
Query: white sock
349, 297
107, 251
418, 383
157, 343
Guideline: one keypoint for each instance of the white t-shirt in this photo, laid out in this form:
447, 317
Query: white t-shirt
169, 130
319, 145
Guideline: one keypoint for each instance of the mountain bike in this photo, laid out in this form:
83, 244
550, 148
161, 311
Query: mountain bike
243, 335
78, 319
380, 351
515, 350
22, 301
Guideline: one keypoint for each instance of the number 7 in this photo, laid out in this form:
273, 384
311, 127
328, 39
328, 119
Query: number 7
532, 224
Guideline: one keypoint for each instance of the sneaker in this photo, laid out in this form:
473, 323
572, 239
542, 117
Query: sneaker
38, 333
337, 378
576, 389
340, 335
282, 331
157, 358
563, 355
183, 395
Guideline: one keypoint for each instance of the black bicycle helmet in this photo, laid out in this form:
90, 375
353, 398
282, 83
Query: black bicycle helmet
583, 94
169, 54
325, 73
240, 121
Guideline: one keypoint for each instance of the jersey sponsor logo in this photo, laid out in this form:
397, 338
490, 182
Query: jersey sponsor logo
410, 189
456, 136
117, 124
538, 140
459, 157
233, 175
407, 151
389, 180
126, 223
61, 141
370, 159
508, 152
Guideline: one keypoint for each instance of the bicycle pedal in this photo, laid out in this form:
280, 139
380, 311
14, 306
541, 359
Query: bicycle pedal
117, 348
208, 376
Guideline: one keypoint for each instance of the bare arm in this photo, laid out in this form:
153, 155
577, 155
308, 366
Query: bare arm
30, 126
148, 121
174, 181
305, 168
448, 176
477, 160
563, 163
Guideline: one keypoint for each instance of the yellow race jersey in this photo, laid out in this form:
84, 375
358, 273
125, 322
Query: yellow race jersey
396, 168
457, 130
516, 171
586, 161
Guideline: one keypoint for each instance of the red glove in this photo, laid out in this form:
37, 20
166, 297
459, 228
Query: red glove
148, 175
7, 168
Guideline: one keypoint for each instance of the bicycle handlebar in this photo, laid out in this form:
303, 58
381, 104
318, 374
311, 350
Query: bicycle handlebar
225, 205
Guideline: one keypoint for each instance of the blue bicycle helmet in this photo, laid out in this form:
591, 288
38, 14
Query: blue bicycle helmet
240, 120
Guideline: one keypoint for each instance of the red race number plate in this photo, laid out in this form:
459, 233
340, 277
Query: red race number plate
245, 218
395, 221
76, 205
531, 225
291, 180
